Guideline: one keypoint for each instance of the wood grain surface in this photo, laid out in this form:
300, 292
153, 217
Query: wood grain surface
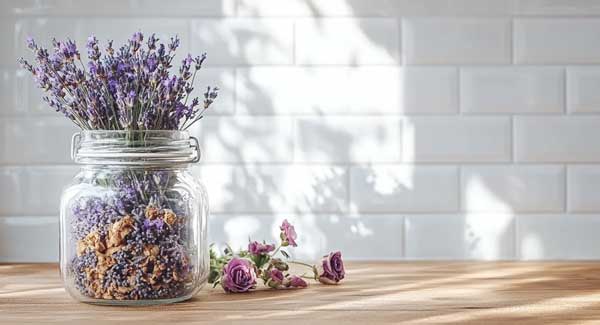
406, 292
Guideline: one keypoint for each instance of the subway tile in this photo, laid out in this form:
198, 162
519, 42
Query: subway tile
377, 8
13, 98
582, 89
33, 191
457, 139
119, 8
28, 239
347, 139
323, 90
224, 79
512, 90
349, 234
404, 188
429, 90
513, 188
556, 139
275, 188
242, 41
8, 34
558, 237
36, 140
456, 41
347, 41
245, 139
556, 7
583, 184
557, 40
470, 236
317, 233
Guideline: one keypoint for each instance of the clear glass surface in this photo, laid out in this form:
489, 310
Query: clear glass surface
133, 220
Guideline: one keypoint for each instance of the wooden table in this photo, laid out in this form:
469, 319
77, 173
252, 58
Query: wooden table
411, 292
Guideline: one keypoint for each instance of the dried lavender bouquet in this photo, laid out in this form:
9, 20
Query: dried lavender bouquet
130, 88
132, 237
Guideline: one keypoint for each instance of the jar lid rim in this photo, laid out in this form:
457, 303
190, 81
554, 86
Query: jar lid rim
119, 147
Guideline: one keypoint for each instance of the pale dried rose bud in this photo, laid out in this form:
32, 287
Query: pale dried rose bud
169, 217
151, 212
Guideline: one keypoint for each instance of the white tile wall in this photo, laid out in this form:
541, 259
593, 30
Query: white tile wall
429, 90
348, 139
456, 41
584, 186
265, 138
404, 188
12, 82
361, 121
323, 90
557, 139
242, 41
29, 239
385, 8
512, 90
35, 140
513, 188
275, 188
582, 89
459, 236
457, 139
558, 237
347, 41
24, 194
557, 40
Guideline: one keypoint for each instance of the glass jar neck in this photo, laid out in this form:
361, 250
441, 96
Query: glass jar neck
135, 148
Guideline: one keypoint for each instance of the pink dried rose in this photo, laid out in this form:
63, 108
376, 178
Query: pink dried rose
239, 275
331, 268
288, 234
276, 278
296, 282
257, 248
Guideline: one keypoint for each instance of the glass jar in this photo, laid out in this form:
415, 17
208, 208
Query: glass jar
133, 220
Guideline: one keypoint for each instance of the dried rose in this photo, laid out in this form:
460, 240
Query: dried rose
275, 278
296, 282
239, 275
331, 268
169, 217
257, 248
288, 234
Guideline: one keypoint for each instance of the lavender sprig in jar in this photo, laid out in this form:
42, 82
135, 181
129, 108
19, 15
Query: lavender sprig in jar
133, 220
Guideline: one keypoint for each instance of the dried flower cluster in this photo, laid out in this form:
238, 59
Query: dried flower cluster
239, 272
129, 88
130, 233
131, 243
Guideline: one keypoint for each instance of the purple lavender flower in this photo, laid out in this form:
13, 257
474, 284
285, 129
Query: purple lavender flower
31, 43
153, 224
98, 217
103, 99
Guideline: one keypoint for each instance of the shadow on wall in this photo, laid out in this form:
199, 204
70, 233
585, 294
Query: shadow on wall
288, 141
333, 187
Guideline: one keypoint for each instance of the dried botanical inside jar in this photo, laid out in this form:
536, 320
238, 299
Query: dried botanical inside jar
133, 221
